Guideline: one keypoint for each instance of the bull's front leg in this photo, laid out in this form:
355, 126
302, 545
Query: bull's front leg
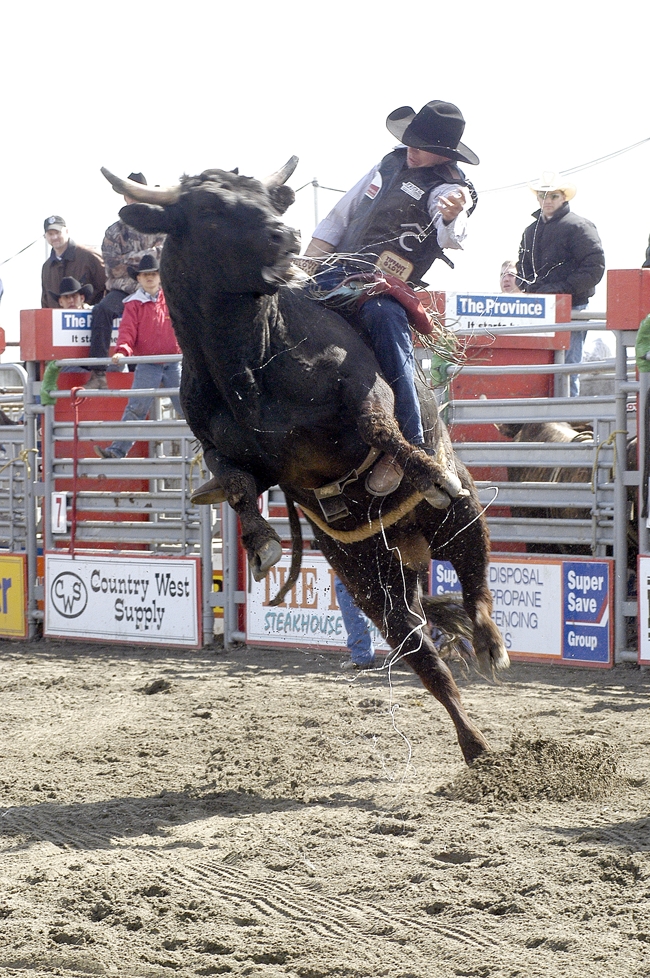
240, 490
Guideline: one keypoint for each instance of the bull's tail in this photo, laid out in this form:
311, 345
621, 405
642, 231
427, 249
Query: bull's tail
296, 552
451, 627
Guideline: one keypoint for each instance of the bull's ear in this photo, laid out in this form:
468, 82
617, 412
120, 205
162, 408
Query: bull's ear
151, 218
282, 197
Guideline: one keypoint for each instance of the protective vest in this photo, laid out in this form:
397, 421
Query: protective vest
392, 225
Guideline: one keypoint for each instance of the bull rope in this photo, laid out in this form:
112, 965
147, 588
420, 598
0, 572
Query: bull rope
372, 528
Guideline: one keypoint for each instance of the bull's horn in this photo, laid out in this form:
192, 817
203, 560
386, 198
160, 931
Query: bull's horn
281, 176
142, 193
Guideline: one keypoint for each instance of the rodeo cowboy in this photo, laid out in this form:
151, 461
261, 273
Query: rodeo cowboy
398, 219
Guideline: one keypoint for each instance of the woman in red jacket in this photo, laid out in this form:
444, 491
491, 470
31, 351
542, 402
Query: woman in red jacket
145, 330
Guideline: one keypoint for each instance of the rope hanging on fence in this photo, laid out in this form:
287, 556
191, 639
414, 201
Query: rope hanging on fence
610, 440
23, 456
196, 462
76, 401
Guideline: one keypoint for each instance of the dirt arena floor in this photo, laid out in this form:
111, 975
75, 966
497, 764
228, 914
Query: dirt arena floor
262, 813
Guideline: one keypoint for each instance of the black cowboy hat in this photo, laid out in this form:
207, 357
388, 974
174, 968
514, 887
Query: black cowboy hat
70, 286
137, 178
436, 128
148, 263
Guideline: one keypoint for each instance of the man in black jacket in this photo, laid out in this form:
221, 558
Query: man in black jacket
561, 253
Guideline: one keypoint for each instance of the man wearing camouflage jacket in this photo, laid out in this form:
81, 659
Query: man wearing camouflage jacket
122, 246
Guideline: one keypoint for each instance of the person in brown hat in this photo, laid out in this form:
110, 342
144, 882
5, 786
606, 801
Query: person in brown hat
561, 253
399, 218
122, 246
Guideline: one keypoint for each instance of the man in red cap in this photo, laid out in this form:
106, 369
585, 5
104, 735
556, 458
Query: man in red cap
399, 218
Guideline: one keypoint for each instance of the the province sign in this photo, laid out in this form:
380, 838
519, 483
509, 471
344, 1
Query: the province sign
71, 327
153, 600
309, 615
494, 311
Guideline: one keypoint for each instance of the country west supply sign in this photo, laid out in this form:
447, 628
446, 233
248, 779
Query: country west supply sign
309, 616
547, 608
152, 601
499, 310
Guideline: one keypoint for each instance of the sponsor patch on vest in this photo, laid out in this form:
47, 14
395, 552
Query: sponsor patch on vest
375, 186
395, 265
412, 191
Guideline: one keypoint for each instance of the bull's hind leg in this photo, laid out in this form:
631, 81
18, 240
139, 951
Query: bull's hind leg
469, 551
388, 594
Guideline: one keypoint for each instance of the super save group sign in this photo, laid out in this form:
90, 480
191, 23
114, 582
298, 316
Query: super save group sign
151, 600
547, 607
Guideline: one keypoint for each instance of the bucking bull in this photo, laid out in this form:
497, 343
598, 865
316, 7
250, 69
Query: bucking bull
282, 391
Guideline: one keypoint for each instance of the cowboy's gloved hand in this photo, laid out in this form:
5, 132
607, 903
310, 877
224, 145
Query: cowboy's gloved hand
451, 205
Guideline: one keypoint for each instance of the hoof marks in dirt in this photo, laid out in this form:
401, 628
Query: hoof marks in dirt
539, 768
157, 686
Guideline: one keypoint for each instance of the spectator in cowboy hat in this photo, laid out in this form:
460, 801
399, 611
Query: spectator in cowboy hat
561, 252
398, 218
122, 246
68, 259
145, 330
73, 294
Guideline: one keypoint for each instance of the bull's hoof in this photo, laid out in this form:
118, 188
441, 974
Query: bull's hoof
473, 745
208, 494
268, 555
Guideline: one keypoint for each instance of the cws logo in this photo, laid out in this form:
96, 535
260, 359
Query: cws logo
585, 606
69, 595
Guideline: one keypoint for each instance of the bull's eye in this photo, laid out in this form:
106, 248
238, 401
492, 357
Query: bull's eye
276, 237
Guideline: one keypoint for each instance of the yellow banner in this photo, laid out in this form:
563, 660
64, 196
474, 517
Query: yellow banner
13, 620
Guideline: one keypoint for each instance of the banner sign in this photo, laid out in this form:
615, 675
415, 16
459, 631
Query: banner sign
643, 586
309, 615
71, 327
150, 600
13, 617
547, 607
500, 309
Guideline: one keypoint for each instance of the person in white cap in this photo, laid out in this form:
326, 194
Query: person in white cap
561, 253
68, 259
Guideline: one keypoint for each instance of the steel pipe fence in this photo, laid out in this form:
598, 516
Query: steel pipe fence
160, 517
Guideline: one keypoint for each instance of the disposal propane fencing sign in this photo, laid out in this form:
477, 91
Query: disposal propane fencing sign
308, 616
152, 600
465, 311
546, 607
643, 578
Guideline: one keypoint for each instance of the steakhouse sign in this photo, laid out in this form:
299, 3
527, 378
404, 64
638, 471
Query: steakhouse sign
153, 601
308, 616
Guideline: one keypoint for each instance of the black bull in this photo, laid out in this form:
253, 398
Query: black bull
282, 391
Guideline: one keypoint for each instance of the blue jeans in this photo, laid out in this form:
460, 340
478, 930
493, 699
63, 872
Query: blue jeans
148, 375
386, 325
574, 354
359, 640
